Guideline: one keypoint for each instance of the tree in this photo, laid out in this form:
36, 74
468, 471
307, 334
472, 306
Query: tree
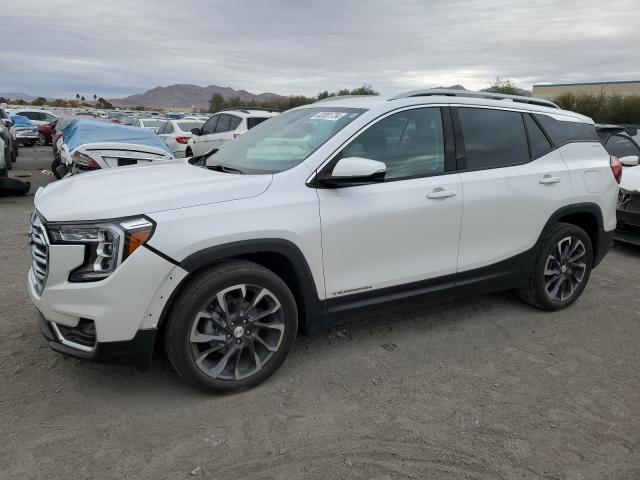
77, 96
39, 102
82, 98
102, 103
216, 103
503, 86
20, 101
4, 100
95, 97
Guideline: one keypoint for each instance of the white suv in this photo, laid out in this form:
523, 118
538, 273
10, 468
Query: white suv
328, 208
224, 126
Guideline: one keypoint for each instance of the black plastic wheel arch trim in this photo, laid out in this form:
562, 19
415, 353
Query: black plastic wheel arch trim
314, 308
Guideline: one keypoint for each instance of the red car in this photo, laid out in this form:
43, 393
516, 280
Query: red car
45, 132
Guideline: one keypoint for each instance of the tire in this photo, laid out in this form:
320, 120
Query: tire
246, 350
30, 143
13, 186
8, 157
188, 153
560, 275
58, 169
16, 150
42, 140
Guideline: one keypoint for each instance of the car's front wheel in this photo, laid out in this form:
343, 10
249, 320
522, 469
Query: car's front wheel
562, 270
231, 327
42, 140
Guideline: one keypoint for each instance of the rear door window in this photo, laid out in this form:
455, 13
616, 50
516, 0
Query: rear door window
235, 122
492, 138
223, 123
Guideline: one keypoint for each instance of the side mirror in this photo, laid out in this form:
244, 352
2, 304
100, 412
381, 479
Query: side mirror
351, 171
630, 161
196, 131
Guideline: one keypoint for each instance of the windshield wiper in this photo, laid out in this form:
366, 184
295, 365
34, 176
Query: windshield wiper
225, 169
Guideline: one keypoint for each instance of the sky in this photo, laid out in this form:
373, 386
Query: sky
118, 47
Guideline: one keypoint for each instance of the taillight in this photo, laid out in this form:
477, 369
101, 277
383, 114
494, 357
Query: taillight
616, 167
182, 140
85, 161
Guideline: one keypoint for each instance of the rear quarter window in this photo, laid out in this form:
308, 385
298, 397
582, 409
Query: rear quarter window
253, 121
562, 132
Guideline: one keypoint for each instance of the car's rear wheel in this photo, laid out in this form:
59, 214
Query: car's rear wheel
231, 327
42, 140
8, 157
562, 270
188, 153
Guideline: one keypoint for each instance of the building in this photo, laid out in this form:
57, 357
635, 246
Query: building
552, 90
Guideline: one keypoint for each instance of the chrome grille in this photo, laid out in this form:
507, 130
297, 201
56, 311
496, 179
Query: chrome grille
39, 253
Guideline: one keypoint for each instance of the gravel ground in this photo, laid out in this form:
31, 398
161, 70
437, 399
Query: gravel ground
486, 388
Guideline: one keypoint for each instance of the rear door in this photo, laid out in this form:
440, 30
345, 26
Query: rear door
511, 186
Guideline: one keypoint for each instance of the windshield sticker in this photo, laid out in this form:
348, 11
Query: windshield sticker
331, 116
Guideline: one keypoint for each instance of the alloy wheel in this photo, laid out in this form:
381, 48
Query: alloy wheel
565, 268
237, 332
41, 140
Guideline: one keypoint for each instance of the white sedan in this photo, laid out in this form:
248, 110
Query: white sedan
154, 124
176, 134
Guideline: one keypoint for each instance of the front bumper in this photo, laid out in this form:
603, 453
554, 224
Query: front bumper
628, 229
136, 352
124, 308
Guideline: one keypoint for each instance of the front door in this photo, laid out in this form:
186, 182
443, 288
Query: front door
402, 231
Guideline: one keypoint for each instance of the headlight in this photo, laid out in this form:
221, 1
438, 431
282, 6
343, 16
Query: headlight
107, 244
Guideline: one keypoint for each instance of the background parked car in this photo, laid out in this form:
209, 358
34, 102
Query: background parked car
153, 124
39, 117
618, 142
176, 134
92, 145
5, 119
26, 130
224, 127
44, 132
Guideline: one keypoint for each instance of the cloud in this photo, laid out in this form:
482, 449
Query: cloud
301, 46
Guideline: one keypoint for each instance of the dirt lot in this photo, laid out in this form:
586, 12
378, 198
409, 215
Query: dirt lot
489, 388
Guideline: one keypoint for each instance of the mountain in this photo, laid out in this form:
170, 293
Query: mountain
185, 96
17, 96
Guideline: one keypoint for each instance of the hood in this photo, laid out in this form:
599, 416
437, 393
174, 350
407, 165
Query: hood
630, 179
121, 192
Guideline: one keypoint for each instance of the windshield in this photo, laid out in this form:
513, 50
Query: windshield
283, 141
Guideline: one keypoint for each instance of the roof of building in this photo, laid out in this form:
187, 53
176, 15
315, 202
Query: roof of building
584, 83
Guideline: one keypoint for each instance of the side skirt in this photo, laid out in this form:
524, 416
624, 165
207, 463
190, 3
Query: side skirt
505, 275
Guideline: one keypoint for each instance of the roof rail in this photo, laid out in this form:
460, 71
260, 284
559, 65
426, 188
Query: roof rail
341, 97
470, 94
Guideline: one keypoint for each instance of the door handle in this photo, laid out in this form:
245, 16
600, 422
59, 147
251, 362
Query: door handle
548, 180
441, 193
